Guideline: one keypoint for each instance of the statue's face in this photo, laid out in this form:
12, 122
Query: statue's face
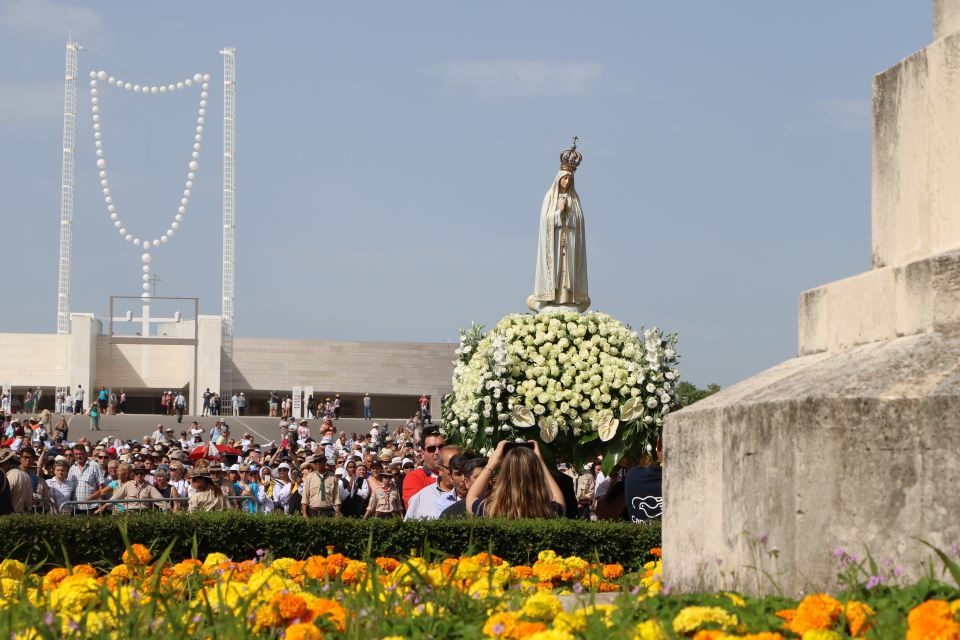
566, 182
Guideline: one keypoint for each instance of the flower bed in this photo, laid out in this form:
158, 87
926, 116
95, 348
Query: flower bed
478, 596
581, 384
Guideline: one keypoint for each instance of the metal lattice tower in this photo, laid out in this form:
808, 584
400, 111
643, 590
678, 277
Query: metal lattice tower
66, 187
229, 216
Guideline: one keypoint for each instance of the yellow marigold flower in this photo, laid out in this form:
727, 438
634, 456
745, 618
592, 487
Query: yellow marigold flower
690, 619
821, 634
28, 634
73, 599
9, 587
302, 631
859, 617
552, 634
546, 556
137, 555
931, 620
12, 569
541, 606
394, 638
500, 625
570, 622
266, 617
649, 630
764, 635
214, 560
735, 599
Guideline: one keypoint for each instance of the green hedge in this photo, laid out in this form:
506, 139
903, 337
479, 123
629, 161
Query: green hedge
43, 539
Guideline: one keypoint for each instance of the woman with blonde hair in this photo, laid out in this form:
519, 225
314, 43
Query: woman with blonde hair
524, 488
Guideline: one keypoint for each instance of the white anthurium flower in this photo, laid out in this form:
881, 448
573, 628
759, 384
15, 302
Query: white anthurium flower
522, 417
606, 425
632, 409
549, 427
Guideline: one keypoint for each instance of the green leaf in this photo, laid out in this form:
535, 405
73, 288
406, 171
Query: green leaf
948, 564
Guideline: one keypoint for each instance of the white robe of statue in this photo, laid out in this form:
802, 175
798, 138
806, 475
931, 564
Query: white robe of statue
561, 280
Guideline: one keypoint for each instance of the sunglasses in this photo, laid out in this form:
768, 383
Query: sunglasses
433, 448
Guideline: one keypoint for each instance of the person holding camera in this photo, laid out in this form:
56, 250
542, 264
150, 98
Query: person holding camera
524, 486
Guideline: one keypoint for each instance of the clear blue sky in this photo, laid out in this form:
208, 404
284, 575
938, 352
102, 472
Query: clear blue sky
392, 158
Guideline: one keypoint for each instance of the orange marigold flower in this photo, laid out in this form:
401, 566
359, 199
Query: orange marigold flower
137, 554
316, 568
932, 620
54, 577
815, 612
354, 572
709, 634
387, 565
302, 631
609, 586
656, 552
612, 571
858, 617
763, 635
329, 611
290, 606
487, 559
786, 614
522, 572
337, 560
84, 570
525, 630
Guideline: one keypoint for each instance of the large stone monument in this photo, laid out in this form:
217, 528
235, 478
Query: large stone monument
855, 442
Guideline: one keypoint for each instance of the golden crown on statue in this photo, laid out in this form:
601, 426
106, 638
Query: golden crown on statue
570, 159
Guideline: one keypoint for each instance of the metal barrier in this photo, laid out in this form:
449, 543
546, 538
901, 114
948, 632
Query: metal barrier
96, 507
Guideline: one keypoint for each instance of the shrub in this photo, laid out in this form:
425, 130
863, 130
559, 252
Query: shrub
94, 539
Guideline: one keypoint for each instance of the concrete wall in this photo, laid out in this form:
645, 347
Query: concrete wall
143, 366
946, 18
404, 368
916, 111
379, 368
32, 359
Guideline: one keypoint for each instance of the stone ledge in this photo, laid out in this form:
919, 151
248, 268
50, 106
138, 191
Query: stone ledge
846, 449
882, 304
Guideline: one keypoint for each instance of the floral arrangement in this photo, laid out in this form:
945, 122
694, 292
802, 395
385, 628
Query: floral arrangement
581, 384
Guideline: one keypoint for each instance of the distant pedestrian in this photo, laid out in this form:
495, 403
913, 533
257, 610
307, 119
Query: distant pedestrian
367, 407
242, 404
78, 398
94, 417
122, 405
337, 405
206, 402
181, 404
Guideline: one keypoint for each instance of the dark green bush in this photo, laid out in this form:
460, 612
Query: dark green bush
99, 539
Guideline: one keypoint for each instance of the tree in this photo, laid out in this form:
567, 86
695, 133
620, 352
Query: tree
688, 393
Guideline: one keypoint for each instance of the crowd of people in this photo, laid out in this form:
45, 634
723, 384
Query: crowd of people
408, 471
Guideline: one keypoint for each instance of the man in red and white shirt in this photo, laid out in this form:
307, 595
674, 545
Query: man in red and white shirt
430, 444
